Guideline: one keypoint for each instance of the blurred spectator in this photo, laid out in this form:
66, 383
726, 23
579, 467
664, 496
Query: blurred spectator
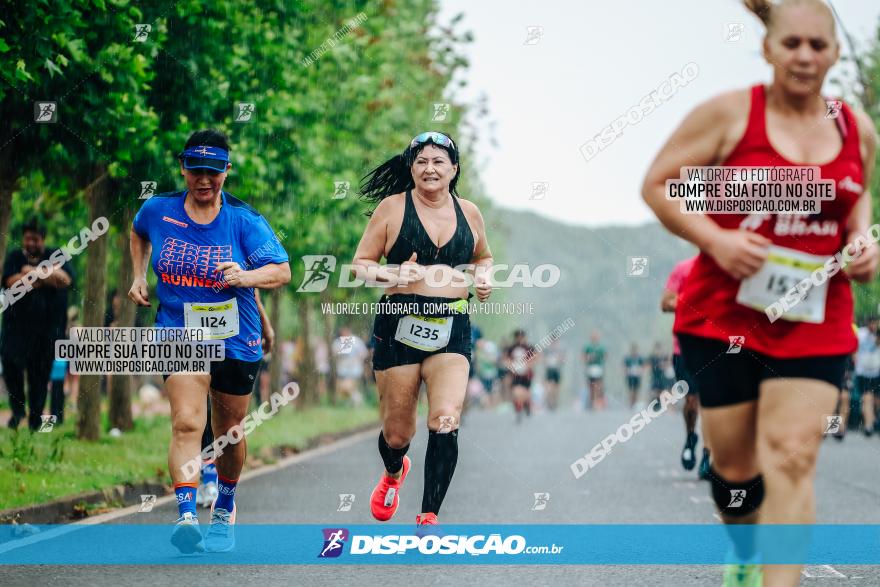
322, 364
554, 358
351, 352
32, 323
486, 359
288, 363
867, 370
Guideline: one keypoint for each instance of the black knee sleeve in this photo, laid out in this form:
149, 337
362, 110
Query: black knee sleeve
392, 457
736, 499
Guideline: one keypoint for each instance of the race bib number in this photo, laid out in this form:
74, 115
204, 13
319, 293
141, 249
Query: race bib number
594, 371
219, 320
423, 332
782, 271
633, 371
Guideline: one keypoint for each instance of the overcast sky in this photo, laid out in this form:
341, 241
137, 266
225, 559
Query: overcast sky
587, 66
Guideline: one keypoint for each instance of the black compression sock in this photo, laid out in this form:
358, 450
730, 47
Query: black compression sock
440, 460
392, 457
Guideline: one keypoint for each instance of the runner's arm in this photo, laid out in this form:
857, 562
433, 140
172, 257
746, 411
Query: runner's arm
269, 276
371, 249
863, 268
268, 331
140, 249
698, 142
482, 259
860, 217
668, 301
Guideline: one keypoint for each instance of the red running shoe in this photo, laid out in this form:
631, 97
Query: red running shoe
385, 498
428, 519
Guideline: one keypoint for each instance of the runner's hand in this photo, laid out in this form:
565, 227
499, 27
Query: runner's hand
233, 274
268, 339
410, 272
863, 267
482, 286
139, 293
740, 253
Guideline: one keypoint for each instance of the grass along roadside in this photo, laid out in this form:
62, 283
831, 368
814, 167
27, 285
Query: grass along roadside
40, 467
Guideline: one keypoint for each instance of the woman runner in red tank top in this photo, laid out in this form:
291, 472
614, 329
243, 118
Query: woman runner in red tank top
709, 301
766, 385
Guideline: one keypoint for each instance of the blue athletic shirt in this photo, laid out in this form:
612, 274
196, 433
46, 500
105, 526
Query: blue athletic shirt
185, 256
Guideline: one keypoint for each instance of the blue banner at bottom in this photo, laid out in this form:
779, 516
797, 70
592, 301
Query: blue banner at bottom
450, 544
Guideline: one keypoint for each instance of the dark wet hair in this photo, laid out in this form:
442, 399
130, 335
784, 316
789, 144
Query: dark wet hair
33, 224
209, 137
394, 176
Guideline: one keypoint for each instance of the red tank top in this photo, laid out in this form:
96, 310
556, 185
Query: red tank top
707, 306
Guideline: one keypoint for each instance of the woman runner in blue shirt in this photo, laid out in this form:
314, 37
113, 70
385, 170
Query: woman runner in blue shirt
209, 251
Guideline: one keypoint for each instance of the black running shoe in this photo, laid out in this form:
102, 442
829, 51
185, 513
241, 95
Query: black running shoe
688, 453
704, 465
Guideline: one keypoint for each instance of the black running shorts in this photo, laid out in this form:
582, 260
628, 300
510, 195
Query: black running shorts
725, 379
421, 322
232, 376
521, 381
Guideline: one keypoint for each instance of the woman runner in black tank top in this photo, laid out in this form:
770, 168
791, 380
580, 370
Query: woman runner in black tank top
435, 246
413, 238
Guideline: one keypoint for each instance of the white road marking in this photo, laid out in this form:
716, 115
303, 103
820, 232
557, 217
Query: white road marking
686, 485
700, 499
816, 571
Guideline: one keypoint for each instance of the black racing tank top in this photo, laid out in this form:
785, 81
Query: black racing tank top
413, 237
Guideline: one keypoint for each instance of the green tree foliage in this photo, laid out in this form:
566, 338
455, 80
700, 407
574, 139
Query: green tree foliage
866, 88
337, 87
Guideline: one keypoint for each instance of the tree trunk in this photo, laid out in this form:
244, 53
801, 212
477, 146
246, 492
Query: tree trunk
121, 385
88, 426
306, 368
12, 167
7, 186
329, 329
275, 319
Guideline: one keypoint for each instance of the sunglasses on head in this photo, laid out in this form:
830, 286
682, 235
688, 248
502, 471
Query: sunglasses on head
438, 138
